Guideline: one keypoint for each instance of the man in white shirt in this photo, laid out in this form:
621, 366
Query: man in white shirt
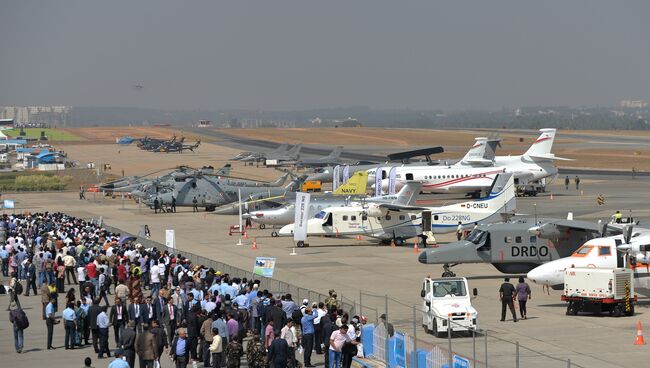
154, 274
288, 333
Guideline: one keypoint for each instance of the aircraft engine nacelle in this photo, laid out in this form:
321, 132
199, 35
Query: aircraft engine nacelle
638, 248
374, 211
545, 231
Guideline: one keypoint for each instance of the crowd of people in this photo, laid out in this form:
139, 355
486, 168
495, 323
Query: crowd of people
111, 293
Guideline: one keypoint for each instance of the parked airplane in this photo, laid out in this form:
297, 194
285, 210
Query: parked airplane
397, 222
286, 214
331, 159
514, 247
629, 249
535, 164
211, 193
245, 154
356, 186
280, 154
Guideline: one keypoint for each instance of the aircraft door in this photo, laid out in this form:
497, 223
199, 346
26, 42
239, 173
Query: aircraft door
620, 256
426, 221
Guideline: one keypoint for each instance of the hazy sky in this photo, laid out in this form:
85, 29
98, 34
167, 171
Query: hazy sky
277, 54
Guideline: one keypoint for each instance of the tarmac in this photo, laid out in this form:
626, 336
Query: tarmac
360, 269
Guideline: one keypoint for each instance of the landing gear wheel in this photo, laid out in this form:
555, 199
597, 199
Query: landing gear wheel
446, 271
385, 241
262, 226
300, 244
617, 311
274, 234
631, 311
571, 309
399, 241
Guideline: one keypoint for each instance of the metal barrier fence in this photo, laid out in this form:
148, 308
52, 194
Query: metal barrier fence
478, 348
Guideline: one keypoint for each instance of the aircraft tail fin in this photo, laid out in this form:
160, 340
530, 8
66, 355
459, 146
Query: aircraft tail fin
280, 149
408, 195
224, 171
295, 149
336, 153
355, 185
279, 181
541, 147
502, 193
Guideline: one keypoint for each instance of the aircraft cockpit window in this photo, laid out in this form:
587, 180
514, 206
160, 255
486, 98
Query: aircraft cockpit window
584, 250
474, 236
604, 251
320, 215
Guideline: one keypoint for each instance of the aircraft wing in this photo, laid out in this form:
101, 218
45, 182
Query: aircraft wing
398, 207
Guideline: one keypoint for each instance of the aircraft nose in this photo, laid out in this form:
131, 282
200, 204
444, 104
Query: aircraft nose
286, 230
422, 258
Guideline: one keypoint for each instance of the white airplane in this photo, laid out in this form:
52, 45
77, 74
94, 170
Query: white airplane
398, 222
471, 174
629, 249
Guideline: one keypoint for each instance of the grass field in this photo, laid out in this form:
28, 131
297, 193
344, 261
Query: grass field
57, 135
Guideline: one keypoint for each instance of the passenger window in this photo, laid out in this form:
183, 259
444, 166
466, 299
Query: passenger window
409, 176
517, 239
402, 217
604, 251
353, 218
533, 239
388, 217
364, 217
435, 217
378, 219
413, 217
508, 239
345, 218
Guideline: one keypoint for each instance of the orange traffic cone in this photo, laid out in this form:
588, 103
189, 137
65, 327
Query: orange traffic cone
392, 243
415, 246
551, 196
254, 247
245, 235
639, 335
359, 237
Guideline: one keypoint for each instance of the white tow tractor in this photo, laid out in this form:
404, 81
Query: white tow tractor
447, 305
597, 290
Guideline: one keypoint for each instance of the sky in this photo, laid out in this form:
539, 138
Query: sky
294, 55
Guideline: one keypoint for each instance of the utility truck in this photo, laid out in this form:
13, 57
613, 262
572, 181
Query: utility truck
447, 306
597, 290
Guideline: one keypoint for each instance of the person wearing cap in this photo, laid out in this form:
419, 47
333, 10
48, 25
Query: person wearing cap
307, 323
119, 361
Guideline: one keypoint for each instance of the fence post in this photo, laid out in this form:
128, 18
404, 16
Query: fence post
474, 346
360, 304
451, 355
486, 349
517, 354
415, 341
387, 336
